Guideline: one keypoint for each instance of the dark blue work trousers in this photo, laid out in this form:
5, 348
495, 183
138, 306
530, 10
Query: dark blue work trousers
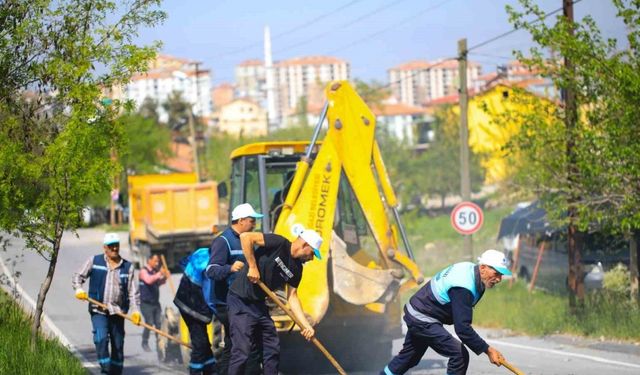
421, 336
222, 361
202, 361
250, 324
109, 329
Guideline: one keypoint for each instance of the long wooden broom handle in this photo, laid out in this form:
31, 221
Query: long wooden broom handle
164, 265
152, 328
314, 340
511, 367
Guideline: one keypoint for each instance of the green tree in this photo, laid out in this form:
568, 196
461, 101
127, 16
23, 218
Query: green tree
400, 161
373, 93
149, 109
302, 111
178, 111
216, 159
440, 163
220, 146
589, 169
57, 136
146, 144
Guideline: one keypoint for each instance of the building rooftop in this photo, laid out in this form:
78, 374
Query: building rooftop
311, 60
488, 77
397, 109
224, 86
182, 159
251, 62
384, 109
424, 64
164, 65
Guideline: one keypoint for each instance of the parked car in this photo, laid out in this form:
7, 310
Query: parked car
527, 229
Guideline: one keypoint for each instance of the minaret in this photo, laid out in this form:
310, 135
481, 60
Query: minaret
270, 86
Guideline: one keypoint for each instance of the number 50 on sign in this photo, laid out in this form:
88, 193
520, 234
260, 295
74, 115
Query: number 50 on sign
466, 218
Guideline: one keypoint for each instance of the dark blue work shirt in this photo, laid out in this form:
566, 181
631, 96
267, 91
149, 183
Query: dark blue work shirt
449, 298
225, 250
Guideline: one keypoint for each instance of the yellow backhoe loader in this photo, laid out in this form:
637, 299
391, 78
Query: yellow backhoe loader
340, 188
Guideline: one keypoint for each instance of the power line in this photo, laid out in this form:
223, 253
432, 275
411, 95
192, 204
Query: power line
492, 56
404, 20
500, 36
315, 20
431, 66
289, 31
372, 13
339, 28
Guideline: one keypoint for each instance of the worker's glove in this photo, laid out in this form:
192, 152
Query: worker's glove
81, 294
136, 318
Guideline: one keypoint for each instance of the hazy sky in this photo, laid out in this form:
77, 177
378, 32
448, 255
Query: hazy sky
373, 35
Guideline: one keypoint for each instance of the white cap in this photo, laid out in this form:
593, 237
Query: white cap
495, 259
244, 210
309, 236
111, 238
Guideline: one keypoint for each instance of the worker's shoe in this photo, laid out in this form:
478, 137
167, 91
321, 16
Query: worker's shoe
145, 347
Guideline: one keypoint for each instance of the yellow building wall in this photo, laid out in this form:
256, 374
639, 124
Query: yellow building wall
488, 138
241, 116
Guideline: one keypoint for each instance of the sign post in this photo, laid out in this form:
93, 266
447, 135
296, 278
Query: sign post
467, 218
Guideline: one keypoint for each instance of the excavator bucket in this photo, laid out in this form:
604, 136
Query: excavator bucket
358, 284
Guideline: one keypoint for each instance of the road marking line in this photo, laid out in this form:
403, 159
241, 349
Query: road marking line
566, 354
46, 320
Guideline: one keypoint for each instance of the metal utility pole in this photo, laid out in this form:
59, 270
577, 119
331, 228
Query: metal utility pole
574, 244
465, 179
192, 130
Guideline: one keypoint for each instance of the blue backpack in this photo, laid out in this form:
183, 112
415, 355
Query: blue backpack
194, 267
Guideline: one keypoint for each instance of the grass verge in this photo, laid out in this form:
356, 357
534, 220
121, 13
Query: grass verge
113, 228
542, 313
436, 245
15, 355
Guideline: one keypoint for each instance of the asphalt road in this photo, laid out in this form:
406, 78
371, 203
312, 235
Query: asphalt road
545, 356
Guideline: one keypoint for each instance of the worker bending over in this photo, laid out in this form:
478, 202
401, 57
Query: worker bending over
449, 298
276, 261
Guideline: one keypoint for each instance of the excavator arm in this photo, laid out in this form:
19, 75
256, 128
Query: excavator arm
348, 151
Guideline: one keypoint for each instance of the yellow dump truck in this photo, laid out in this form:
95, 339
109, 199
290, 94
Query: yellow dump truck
170, 214
340, 188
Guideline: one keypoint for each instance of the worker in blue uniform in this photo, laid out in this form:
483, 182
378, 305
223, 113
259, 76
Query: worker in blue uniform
449, 298
226, 259
113, 284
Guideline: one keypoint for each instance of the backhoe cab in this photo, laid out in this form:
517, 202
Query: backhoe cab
340, 188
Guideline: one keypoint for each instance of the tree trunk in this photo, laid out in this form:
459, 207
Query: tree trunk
576, 282
42, 295
634, 264
574, 238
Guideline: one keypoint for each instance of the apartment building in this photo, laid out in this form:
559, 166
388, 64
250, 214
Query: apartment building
167, 74
242, 117
417, 82
306, 76
222, 94
251, 80
292, 79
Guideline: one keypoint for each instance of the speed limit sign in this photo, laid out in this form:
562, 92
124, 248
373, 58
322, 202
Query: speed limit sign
466, 218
